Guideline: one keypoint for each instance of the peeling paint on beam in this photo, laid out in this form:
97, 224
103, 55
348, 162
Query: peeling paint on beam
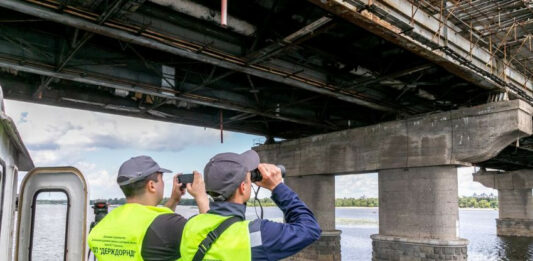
202, 12
418, 37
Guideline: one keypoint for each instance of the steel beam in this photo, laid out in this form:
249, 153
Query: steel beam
168, 46
106, 15
88, 100
298, 37
423, 34
392, 75
134, 72
199, 11
152, 90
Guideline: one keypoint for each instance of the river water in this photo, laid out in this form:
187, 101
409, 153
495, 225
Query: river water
357, 224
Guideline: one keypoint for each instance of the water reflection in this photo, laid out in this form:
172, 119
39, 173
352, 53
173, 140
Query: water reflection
515, 248
357, 224
49, 225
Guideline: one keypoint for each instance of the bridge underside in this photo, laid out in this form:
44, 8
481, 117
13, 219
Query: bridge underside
285, 69
382, 80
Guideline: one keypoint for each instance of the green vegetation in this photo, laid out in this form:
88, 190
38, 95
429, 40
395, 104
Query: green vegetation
183, 202
356, 202
474, 201
265, 202
122, 201
52, 201
112, 201
479, 201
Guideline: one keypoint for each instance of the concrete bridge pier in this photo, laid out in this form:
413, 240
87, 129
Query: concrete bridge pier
318, 192
416, 159
515, 200
418, 215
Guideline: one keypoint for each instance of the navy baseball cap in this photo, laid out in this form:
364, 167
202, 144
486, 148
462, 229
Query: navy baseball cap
137, 168
225, 172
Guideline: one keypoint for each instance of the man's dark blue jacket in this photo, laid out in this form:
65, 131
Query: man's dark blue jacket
272, 240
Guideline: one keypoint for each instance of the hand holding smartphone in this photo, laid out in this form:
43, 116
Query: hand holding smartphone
185, 178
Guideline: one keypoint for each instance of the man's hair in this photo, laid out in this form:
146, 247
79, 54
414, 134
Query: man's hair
218, 197
137, 188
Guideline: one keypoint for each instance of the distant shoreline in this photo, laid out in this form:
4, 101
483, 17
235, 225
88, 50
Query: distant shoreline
459, 208
116, 205
478, 208
359, 207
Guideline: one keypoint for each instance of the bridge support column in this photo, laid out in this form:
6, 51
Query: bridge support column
514, 198
418, 215
318, 192
516, 213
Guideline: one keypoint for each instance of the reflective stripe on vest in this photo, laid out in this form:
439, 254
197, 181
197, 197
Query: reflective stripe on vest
233, 244
119, 236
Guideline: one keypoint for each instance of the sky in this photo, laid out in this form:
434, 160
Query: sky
98, 143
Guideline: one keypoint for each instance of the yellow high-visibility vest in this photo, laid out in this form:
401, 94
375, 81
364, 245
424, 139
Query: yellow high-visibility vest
119, 236
233, 244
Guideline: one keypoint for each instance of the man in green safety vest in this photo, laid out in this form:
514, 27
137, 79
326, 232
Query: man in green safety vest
224, 234
139, 230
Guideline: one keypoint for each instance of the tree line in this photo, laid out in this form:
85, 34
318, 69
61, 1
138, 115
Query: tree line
474, 201
479, 201
122, 201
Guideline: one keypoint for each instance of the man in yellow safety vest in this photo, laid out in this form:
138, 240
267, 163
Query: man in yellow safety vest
139, 229
223, 233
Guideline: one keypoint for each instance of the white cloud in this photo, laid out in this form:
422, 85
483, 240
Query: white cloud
59, 136
467, 185
367, 185
357, 185
102, 183
64, 137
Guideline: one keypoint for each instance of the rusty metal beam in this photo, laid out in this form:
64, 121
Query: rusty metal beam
303, 34
392, 75
81, 77
104, 17
422, 33
159, 42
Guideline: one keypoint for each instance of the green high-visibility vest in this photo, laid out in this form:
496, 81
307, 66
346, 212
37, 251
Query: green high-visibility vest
119, 236
233, 244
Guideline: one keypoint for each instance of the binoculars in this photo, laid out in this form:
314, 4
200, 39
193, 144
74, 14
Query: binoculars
256, 175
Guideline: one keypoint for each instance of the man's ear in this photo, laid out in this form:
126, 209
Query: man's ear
242, 187
150, 186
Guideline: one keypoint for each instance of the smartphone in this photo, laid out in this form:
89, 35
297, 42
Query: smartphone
185, 178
